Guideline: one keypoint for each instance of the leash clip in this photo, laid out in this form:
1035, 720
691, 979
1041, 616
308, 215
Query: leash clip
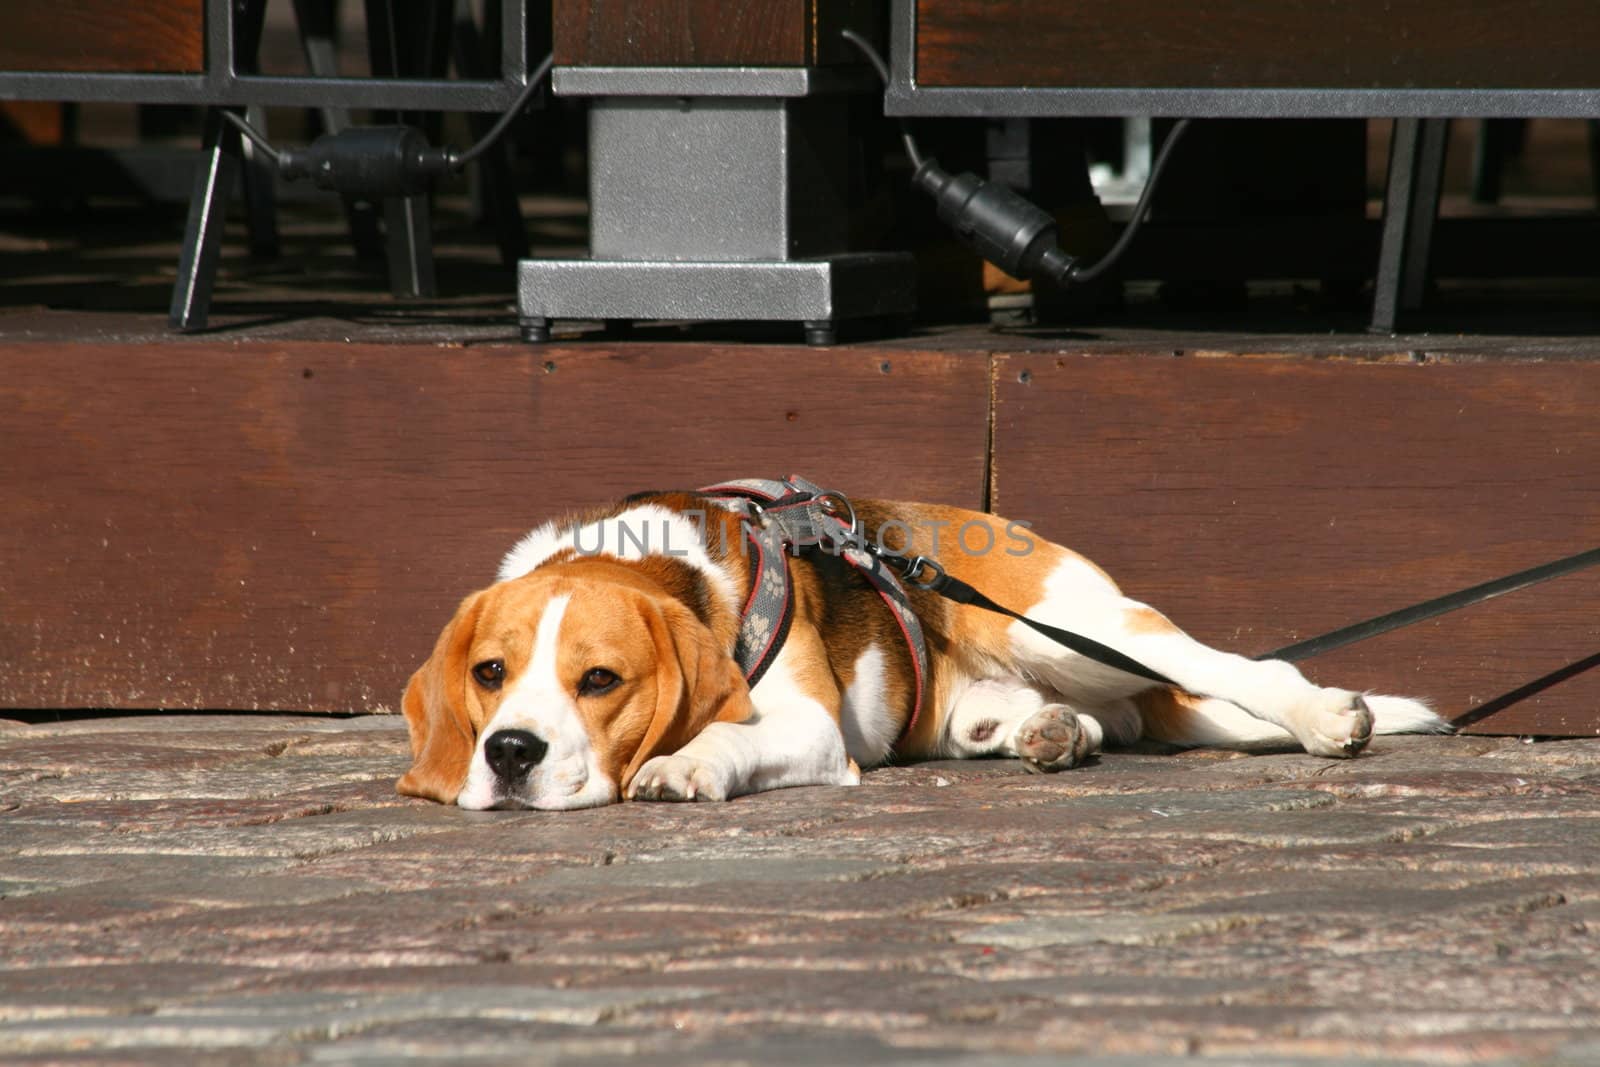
914, 568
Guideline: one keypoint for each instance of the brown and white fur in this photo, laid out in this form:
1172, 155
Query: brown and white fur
599, 668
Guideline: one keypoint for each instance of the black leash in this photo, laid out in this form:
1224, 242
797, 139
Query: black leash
928, 574
1477, 594
830, 523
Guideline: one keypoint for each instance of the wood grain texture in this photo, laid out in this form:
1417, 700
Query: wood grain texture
1260, 502
149, 36
221, 526
708, 33
1347, 44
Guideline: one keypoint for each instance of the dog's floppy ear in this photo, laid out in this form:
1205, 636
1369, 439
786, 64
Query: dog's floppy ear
698, 683
435, 705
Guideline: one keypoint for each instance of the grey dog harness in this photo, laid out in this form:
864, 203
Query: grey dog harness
794, 517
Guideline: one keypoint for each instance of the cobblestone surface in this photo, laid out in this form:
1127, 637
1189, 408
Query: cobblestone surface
249, 889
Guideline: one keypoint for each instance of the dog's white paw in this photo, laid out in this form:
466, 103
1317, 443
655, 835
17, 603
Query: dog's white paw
676, 778
1051, 739
1336, 723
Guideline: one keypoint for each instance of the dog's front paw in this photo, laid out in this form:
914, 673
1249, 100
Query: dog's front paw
1337, 723
676, 778
1051, 739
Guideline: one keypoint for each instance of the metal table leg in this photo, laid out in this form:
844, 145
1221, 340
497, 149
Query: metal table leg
214, 181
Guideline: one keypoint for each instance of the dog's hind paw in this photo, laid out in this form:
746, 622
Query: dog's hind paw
1051, 739
1340, 724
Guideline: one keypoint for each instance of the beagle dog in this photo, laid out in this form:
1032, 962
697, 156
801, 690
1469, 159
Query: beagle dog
600, 666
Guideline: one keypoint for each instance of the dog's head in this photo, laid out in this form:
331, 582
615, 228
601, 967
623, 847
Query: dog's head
550, 691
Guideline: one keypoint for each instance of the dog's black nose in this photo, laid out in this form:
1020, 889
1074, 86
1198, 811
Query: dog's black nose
511, 752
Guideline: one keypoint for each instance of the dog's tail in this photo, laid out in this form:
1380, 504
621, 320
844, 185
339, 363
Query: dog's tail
1184, 719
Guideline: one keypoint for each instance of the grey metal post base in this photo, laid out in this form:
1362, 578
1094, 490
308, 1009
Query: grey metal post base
816, 292
716, 194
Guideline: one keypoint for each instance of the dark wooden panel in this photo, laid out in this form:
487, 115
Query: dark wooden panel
1259, 502
149, 36
217, 526
709, 33
1348, 44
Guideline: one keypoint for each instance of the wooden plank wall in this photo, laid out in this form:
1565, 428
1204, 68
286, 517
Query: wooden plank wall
1337, 44
1260, 502
213, 525
711, 33
148, 36
253, 526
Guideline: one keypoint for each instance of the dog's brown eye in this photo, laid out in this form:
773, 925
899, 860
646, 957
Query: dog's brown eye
598, 680
490, 673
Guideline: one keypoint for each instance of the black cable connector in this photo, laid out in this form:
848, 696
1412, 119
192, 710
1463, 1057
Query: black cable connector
382, 161
368, 161
1001, 226
1010, 232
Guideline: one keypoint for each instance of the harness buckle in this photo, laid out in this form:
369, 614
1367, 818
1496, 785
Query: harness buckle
836, 505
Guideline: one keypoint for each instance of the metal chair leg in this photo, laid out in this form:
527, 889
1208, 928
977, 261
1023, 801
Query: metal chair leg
214, 182
1499, 141
315, 19
1424, 212
410, 247
261, 202
202, 238
1396, 208
495, 188
1410, 206
400, 47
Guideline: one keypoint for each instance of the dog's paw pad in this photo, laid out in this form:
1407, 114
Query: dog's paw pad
1051, 739
675, 778
1340, 724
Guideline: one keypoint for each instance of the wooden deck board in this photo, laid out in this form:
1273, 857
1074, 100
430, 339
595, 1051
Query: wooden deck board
263, 526
286, 524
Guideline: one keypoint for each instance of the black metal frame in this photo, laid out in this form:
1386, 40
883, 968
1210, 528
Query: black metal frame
1416, 164
230, 81
906, 97
223, 84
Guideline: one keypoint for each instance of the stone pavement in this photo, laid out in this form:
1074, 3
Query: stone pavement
249, 889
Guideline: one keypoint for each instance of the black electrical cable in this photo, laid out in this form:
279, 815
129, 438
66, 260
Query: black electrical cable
461, 159
883, 72
255, 136
1089, 274
1002, 226
457, 160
